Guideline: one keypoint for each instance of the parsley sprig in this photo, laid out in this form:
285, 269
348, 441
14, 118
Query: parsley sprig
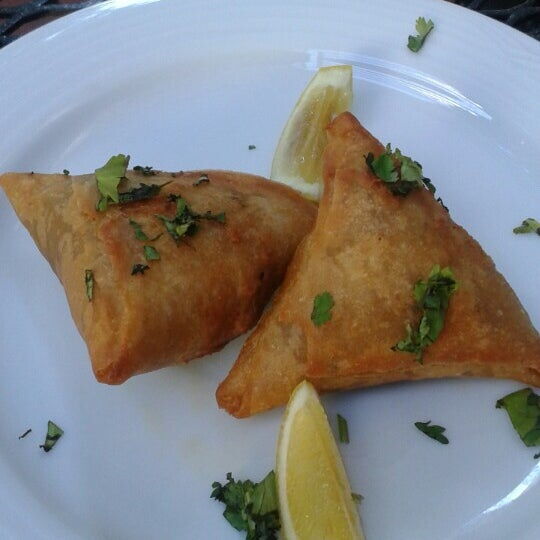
433, 431
249, 506
423, 28
523, 408
185, 220
529, 225
322, 308
432, 297
400, 173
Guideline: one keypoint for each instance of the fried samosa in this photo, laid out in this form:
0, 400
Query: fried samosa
175, 270
366, 259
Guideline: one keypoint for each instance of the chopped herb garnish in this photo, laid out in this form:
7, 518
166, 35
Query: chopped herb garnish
53, 434
108, 178
322, 308
139, 269
151, 253
141, 193
140, 234
423, 28
251, 147
432, 297
202, 180
66, 172
89, 283
25, 434
536, 456
343, 429
528, 225
523, 408
433, 431
145, 171
185, 221
399, 173
249, 506
357, 498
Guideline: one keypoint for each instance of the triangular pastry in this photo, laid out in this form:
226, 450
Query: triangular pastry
367, 251
210, 283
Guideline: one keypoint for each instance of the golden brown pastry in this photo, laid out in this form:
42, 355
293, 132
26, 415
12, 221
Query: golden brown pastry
208, 286
368, 248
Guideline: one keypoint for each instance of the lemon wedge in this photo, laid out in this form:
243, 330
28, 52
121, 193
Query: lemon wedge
298, 157
315, 498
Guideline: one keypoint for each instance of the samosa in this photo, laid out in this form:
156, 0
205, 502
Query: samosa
160, 268
385, 288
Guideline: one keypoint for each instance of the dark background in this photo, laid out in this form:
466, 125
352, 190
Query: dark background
19, 16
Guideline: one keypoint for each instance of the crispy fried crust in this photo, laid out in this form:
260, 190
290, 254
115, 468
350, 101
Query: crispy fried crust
367, 249
203, 292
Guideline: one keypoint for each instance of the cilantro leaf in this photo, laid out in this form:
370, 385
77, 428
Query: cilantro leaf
433, 431
185, 221
423, 28
529, 225
89, 283
145, 171
249, 506
139, 269
53, 434
251, 147
523, 408
141, 193
65, 172
356, 497
151, 253
201, 180
140, 234
322, 308
108, 178
400, 173
343, 429
432, 296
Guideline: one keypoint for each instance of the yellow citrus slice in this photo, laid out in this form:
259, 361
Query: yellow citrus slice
298, 157
315, 498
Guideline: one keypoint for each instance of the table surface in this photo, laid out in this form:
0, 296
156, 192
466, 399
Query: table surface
18, 17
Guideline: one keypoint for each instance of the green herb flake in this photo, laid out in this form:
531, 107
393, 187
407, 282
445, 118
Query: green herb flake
357, 498
145, 171
433, 431
400, 173
523, 408
536, 456
528, 225
343, 429
250, 507
151, 253
53, 434
65, 172
432, 297
251, 147
139, 269
423, 28
141, 193
203, 179
108, 178
89, 284
322, 308
25, 434
139, 233
185, 221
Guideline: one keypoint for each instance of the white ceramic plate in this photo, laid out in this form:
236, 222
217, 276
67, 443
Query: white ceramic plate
190, 85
